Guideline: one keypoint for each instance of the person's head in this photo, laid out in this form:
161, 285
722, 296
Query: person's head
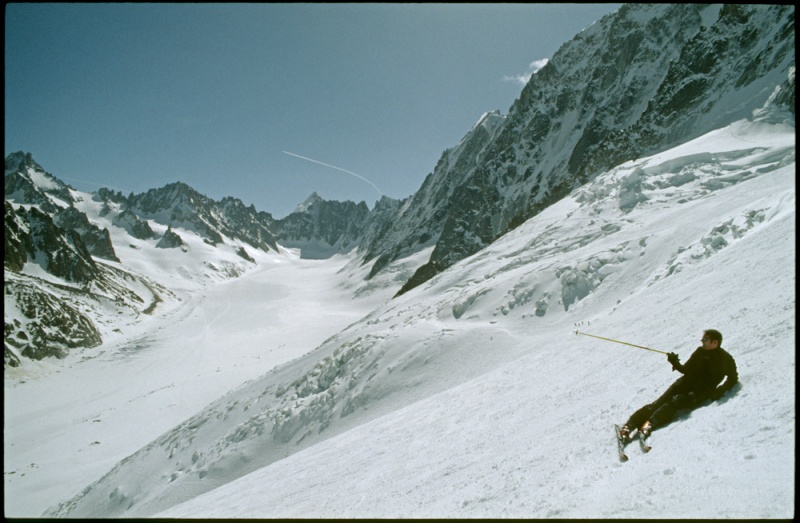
712, 339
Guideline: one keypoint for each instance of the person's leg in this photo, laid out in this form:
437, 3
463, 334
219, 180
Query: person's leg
644, 414
666, 413
640, 416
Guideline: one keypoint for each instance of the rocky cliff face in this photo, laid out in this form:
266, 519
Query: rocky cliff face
725, 72
321, 228
38, 323
32, 236
638, 81
417, 223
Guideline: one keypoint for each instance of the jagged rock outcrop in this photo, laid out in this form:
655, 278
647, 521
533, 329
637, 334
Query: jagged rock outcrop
170, 240
45, 325
17, 241
31, 235
9, 358
136, 227
97, 241
257, 228
242, 253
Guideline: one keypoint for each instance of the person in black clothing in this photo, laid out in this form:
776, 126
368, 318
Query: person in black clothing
702, 374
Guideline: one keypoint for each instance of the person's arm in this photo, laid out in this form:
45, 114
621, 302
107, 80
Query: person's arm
676, 362
673, 358
731, 379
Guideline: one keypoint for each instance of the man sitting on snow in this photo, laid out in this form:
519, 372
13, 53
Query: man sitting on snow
704, 370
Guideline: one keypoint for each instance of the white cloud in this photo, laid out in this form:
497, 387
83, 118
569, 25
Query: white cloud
524, 78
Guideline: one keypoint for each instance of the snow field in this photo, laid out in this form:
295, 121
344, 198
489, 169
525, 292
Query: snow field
527, 441
469, 396
67, 422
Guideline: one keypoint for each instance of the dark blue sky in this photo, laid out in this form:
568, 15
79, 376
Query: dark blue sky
135, 96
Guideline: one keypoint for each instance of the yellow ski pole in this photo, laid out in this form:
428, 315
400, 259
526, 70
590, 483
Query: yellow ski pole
622, 342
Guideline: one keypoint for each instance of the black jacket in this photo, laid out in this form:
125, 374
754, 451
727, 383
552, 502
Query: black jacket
705, 369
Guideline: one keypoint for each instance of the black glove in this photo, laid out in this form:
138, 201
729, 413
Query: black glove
674, 360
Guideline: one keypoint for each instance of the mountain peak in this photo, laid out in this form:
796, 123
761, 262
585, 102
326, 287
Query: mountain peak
22, 162
309, 202
490, 120
15, 161
26, 181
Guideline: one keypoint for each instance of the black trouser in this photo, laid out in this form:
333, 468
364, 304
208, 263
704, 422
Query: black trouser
663, 410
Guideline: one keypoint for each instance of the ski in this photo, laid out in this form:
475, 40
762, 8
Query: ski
643, 443
620, 445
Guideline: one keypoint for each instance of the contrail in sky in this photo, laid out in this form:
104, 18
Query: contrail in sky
337, 168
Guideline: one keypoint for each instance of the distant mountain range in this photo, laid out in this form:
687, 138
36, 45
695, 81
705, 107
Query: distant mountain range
65, 237
638, 81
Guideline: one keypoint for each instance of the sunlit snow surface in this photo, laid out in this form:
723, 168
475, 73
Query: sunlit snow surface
470, 396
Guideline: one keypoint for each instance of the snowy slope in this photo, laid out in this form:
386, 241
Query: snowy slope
504, 444
68, 421
470, 396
